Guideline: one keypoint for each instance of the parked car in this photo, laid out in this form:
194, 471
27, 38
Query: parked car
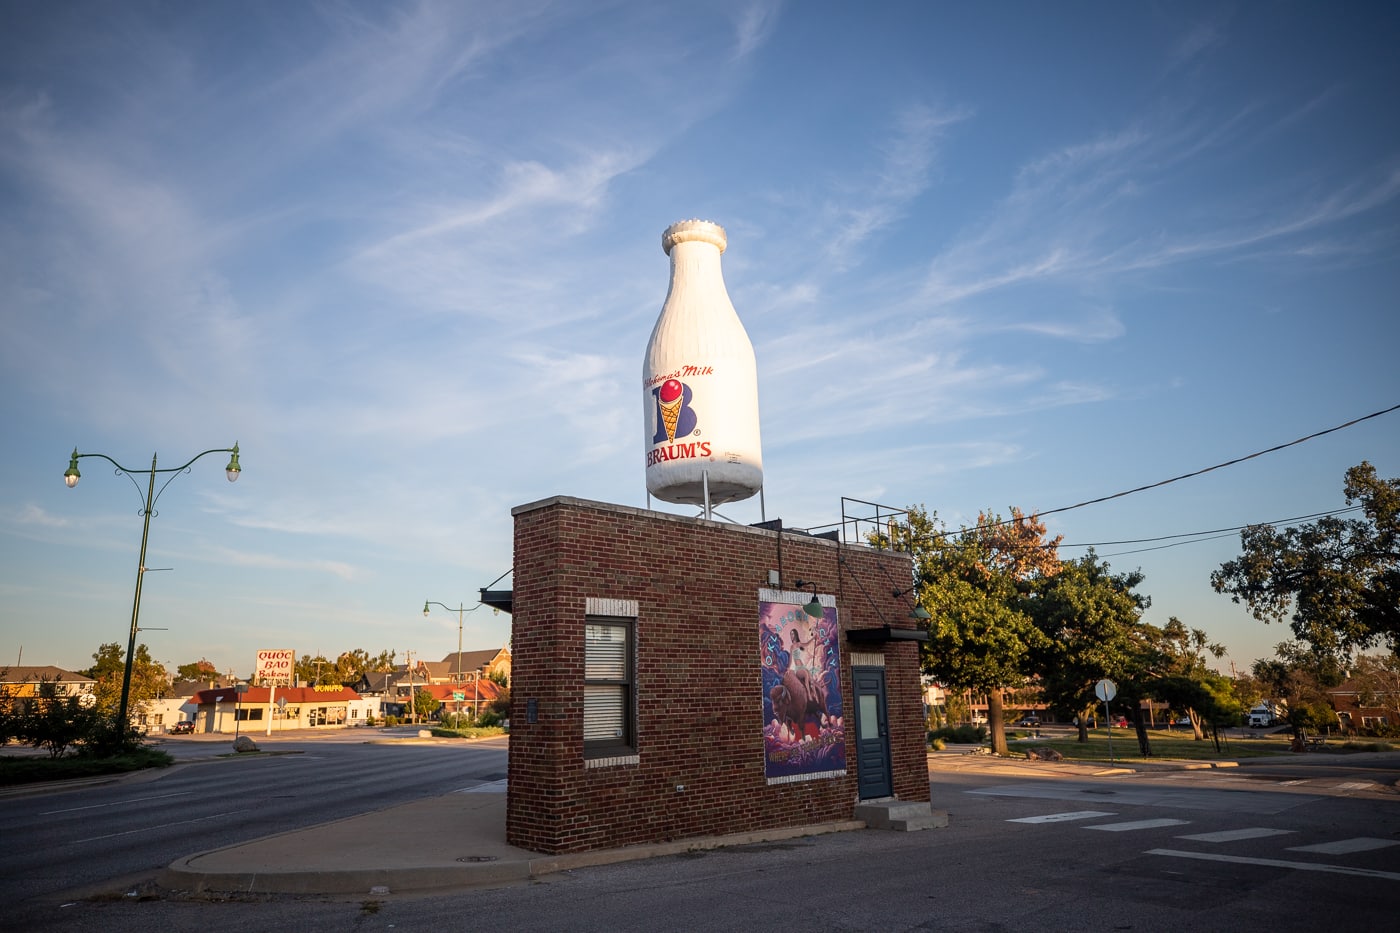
1121, 722
1092, 722
1028, 721
183, 727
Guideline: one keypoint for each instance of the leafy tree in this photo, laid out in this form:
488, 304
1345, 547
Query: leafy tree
315, 671
1184, 652
353, 664
1300, 675
148, 677
201, 670
55, 721
1340, 578
424, 704
981, 639
1090, 620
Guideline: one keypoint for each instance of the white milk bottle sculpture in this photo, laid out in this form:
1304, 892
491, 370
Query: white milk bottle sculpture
700, 381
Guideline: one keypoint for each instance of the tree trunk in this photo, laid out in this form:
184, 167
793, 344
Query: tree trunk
1144, 743
995, 721
1083, 718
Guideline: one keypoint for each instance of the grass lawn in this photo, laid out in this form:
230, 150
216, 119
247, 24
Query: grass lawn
1175, 745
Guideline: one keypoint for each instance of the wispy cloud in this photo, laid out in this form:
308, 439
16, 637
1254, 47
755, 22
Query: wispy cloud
883, 195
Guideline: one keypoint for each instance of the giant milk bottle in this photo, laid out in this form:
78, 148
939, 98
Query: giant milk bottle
700, 381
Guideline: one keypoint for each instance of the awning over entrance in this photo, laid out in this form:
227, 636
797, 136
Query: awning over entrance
884, 633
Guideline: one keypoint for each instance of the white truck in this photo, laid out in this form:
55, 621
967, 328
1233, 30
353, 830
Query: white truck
1266, 713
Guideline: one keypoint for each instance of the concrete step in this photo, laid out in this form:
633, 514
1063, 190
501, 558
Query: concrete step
900, 815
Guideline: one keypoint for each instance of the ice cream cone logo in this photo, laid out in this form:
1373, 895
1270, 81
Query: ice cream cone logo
670, 398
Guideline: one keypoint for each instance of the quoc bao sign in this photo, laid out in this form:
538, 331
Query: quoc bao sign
276, 666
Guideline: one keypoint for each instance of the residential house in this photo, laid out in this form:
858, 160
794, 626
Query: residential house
1361, 713
23, 681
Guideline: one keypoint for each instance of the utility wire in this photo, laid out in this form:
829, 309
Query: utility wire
1260, 453
1213, 531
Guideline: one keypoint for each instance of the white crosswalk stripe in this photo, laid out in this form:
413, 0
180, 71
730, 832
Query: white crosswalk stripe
1235, 835
1346, 846
1063, 817
1137, 824
1222, 837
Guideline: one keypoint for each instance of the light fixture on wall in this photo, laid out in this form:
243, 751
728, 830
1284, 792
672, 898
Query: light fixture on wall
918, 612
814, 607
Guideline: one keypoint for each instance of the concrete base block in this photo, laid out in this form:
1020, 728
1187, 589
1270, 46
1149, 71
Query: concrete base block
900, 815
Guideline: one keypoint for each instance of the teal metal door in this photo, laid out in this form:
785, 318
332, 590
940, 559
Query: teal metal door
872, 733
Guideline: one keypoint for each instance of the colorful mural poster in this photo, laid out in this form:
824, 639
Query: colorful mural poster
804, 737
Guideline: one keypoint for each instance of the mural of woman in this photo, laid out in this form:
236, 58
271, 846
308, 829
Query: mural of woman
805, 654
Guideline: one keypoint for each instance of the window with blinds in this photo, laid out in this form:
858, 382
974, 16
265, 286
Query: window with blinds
608, 723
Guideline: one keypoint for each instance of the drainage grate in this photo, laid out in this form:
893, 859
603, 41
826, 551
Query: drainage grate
478, 858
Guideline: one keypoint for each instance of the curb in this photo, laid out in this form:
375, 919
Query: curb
182, 875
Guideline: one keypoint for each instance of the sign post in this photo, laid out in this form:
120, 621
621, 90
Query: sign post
1106, 690
275, 667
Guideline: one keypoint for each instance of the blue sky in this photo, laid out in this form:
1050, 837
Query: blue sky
408, 257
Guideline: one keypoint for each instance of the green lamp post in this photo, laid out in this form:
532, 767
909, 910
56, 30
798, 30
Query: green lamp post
71, 477
461, 611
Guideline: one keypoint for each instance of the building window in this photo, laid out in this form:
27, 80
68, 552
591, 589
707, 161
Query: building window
609, 708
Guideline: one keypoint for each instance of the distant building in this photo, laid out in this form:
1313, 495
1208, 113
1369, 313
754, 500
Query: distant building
251, 709
22, 681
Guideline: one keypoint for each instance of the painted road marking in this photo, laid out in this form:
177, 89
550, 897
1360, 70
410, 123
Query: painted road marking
1061, 817
146, 829
1277, 863
1357, 785
119, 803
1234, 835
1137, 824
493, 787
1346, 846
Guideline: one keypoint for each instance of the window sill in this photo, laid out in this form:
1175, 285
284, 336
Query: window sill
615, 761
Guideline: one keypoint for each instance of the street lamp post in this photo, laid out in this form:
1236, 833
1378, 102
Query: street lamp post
461, 611
71, 477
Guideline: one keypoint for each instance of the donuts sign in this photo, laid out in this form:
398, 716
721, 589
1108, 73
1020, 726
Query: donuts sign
276, 666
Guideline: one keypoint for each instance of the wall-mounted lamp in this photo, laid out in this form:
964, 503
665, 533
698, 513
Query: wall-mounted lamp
918, 612
813, 608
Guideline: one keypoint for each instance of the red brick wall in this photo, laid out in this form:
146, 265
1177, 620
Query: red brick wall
698, 684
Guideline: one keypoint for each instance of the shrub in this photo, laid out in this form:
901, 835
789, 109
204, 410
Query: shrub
962, 735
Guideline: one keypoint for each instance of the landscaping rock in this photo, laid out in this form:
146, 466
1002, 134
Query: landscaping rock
1044, 754
244, 744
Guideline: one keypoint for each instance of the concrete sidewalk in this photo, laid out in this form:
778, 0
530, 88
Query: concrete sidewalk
453, 841
459, 840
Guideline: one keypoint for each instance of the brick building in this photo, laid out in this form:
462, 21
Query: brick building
656, 658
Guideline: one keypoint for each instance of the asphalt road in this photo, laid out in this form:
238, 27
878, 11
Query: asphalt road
1313, 844
92, 840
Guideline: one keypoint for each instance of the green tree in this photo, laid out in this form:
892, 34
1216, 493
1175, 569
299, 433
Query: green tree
1339, 578
424, 704
980, 637
1184, 652
55, 721
1091, 625
148, 677
202, 670
1300, 675
315, 671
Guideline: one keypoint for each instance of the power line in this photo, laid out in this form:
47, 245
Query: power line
1174, 479
1213, 531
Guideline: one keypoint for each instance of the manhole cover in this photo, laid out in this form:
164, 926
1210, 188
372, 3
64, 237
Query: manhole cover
477, 858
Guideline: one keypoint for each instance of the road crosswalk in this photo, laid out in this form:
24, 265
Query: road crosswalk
1099, 820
